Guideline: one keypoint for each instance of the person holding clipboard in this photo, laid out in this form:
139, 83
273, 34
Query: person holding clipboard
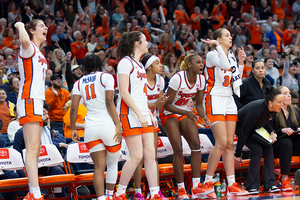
286, 126
252, 119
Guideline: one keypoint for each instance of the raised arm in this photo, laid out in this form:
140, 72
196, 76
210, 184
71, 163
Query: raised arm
23, 35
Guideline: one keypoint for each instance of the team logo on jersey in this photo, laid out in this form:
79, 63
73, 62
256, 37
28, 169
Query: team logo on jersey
141, 75
42, 60
158, 89
28, 101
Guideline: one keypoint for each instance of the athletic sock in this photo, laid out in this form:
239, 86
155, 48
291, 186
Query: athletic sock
230, 180
195, 182
208, 178
180, 185
153, 191
138, 191
121, 190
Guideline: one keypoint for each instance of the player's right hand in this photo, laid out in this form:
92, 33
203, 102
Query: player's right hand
118, 135
143, 120
75, 136
19, 24
191, 115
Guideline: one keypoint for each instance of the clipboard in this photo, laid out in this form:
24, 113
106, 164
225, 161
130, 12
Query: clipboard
262, 136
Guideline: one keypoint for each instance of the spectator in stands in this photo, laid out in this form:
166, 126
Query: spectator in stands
288, 143
10, 73
27, 15
219, 13
3, 77
234, 10
69, 14
14, 13
6, 113
48, 137
56, 97
61, 39
181, 16
100, 45
10, 64
275, 37
72, 74
58, 17
171, 65
78, 47
288, 32
248, 64
9, 37
92, 42
271, 70
155, 21
13, 127
266, 26
295, 99
14, 89
278, 8
165, 44
288, 73
265, 10
265, 45
296, 9
99, 16
80, 120
256, 115
197, 42
238, 38
195, 19
255, 33
116, 17
206, 23
3, 23
57, 61
245, 30
277, 63
45, 13
253, 87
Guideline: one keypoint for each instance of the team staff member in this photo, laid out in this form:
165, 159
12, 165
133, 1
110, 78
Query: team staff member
32, 68
103, 130
252, 116
178, 118
134, 113
156, 100
224, 75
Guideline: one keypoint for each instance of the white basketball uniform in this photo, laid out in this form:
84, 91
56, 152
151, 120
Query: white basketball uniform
153, 91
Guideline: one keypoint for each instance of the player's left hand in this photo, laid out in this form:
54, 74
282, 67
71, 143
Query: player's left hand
206, 121
118, 135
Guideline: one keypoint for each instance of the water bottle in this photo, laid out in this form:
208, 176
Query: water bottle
176, 195
243, 186
218, 189
223, 188
217, 178
293, 183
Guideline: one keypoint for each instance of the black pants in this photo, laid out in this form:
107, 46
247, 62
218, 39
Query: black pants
284, 149
259, 151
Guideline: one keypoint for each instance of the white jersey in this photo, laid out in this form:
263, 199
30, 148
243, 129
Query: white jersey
153, 91
137, 86
32, 68
184, 91
219, 72
92, 88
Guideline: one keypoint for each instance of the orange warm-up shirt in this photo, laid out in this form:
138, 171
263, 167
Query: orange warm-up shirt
220, 16
182, 18
255, 34
278, 11
196, 26
121, 5
246, 71
80, 119
78, 50
8, 42
170, 48
287, 36
57, 103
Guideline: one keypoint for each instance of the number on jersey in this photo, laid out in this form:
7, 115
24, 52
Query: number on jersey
87, 90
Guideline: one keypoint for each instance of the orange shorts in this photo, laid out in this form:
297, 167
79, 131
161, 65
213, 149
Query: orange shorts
164, 118
128, 130
30, 110
156, 130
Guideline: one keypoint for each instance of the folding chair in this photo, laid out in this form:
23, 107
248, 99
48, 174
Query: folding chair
11, 159
50, 156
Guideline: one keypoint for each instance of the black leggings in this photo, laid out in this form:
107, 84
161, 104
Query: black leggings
284, 149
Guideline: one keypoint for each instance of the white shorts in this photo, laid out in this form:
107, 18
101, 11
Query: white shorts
99, 138
30, 110
132, 126
220, 108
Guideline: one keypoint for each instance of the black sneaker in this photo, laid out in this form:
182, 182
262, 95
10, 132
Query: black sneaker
274, 189
253, 191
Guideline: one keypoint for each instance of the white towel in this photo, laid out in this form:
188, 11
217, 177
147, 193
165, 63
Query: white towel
236, 74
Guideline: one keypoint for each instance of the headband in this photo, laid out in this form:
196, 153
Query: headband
150, 61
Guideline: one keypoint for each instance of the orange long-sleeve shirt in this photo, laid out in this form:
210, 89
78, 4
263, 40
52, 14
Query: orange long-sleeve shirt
8, 42
196, 26
220, 16
278, 11
287, 36
121, 4
105, 26
255, 34
78, 50
182, 18
80, 119
57, 103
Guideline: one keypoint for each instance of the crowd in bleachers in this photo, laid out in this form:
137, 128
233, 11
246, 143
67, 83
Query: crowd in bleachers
269, 33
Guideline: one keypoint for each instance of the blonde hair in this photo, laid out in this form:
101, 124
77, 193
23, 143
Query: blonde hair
187, 59
54, 58
162, 37
280, 118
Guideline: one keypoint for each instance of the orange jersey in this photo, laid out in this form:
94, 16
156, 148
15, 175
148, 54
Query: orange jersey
80, 119
246, 71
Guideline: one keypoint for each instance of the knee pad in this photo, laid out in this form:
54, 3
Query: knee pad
112, 167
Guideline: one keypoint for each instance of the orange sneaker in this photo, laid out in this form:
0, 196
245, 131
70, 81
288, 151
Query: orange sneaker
286, 186
30, 196
156, 197
121, 197
182, 194
235, 189
210, 196
202, 190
